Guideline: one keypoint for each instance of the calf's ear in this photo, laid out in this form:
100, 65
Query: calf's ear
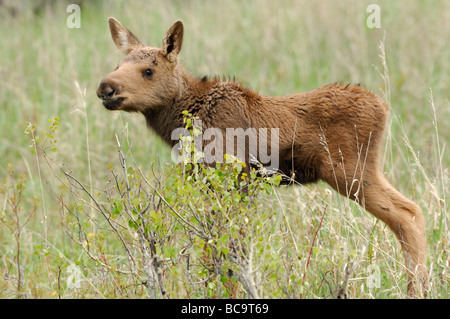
124, 39
172, 41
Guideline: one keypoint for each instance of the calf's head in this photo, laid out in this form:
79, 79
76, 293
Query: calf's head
146, 79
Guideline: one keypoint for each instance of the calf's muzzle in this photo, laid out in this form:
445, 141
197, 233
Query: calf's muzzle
106, 90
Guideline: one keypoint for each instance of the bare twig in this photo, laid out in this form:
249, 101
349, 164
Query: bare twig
311, 249
342, 293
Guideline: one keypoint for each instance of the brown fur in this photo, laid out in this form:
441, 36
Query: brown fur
333, 133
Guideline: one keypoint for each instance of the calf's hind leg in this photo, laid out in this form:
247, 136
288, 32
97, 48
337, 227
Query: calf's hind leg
405, 219
401, 215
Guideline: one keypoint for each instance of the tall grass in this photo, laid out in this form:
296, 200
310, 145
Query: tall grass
275, 47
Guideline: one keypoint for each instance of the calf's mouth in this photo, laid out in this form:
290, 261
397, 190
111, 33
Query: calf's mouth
113, 104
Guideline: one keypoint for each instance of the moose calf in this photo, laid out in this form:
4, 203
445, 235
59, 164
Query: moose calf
333, 133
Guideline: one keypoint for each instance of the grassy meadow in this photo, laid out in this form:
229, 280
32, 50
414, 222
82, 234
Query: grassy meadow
81, 217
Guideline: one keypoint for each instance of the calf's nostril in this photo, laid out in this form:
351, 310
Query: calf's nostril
105, 91
110, 92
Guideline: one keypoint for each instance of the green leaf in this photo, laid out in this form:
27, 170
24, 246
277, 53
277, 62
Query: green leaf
224, 279
132, 224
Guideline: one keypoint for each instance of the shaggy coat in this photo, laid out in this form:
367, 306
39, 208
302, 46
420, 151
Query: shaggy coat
333, 133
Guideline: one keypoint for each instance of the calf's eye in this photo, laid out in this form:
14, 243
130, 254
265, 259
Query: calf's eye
147, 73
